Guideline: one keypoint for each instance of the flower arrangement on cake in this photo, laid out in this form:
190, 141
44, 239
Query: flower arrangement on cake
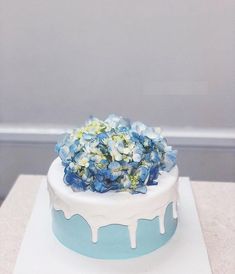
114, 154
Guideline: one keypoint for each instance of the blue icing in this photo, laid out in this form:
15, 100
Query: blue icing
75, 233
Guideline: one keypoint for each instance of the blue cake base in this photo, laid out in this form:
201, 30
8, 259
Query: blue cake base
113, 240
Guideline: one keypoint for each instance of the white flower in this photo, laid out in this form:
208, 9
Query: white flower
83, 161
138, 127
91, 147
116, 155
136, 157
113, 120
151, 133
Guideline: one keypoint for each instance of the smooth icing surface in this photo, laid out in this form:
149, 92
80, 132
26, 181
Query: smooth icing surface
109, 208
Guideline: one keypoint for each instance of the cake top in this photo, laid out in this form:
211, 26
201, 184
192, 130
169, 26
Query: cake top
114, 155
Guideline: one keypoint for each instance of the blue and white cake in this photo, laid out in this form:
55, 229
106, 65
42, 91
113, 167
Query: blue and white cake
113, 189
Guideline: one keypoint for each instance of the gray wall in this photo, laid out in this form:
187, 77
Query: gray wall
167, 63
164, 62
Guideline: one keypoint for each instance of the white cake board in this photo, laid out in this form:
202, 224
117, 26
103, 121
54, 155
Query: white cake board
185, 253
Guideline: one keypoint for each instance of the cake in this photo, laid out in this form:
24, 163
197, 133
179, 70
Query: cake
113, 189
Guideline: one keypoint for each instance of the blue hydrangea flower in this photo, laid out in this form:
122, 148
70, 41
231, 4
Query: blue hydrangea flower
153, 175
169, 160
114, 155
74, 181
65, 154
100, 186
143, 173
115, 170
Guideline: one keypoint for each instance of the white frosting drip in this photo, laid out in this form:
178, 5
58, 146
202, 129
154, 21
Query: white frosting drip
175, 214
132, 232
102, 209
161, 219
94, 233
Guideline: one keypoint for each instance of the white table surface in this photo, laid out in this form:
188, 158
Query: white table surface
215, 204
